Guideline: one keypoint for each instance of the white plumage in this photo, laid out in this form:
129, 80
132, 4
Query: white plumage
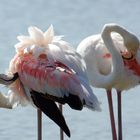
99, 59
113, 61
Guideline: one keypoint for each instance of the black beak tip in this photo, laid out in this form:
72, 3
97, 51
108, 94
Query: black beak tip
16, 75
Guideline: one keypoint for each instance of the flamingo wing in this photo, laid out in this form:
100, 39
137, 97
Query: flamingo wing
55, 80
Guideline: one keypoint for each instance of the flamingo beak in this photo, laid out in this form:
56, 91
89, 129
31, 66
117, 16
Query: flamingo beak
7, 80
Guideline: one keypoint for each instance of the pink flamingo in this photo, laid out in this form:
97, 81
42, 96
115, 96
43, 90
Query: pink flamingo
113, 61
49, 70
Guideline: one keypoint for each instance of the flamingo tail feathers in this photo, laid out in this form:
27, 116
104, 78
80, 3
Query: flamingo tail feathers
72, 100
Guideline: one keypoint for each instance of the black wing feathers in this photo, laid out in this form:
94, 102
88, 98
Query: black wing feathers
72, 100
50, 109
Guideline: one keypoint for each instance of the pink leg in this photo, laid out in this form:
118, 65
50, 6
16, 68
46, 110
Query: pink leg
39, 117
61, 131
109, 96
119, 115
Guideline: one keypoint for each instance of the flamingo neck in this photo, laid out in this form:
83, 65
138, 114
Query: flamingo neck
117, 62
131, 42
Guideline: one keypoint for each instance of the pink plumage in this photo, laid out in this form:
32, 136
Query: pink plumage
50, 71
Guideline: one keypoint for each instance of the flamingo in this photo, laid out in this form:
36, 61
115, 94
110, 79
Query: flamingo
46, 70
113, 58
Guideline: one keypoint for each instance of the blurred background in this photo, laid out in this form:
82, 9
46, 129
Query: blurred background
75, 19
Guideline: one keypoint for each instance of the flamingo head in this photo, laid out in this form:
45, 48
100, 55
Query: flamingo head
132, 44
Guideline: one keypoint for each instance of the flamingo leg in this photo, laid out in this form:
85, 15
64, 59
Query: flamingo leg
119, 115
61, 131
109, 96
39, 119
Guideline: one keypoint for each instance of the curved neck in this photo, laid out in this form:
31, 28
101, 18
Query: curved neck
108, 28
131, 42
117, 62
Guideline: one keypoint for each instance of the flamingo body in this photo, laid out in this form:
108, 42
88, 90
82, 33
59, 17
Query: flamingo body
47, 77
44, 67
99, 61
114, 59
50, 71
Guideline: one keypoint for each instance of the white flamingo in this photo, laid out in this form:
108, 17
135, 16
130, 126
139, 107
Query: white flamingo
113, 61
49, 70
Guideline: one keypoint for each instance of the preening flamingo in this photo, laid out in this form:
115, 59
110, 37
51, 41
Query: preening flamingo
49, 70
113, 61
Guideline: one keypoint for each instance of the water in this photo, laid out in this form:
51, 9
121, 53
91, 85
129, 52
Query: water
76, 19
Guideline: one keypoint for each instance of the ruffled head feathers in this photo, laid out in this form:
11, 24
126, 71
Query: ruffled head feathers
36, 38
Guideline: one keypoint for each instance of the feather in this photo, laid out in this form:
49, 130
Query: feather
36, 34
48, 35
51, 110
